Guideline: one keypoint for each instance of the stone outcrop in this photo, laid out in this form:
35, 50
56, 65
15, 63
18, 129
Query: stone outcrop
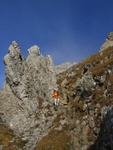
108, 42
32, 77
27, 92
105, 138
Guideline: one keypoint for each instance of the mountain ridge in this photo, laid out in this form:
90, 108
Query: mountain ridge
26, 104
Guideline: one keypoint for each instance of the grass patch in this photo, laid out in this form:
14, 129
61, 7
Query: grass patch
8, 140
55, 140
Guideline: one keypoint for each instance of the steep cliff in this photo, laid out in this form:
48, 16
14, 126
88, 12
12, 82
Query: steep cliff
26, 95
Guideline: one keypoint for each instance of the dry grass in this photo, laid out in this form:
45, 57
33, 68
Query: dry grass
8, 139
95, 66
55, 140
57, 119
40, 102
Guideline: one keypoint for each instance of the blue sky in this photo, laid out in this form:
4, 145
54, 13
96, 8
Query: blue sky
68, 30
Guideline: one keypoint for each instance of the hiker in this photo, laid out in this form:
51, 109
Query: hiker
56, 97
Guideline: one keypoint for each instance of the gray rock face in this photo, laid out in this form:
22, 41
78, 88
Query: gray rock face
27, 93
63, 67
108, 42
105, 139
31, 78
86, 85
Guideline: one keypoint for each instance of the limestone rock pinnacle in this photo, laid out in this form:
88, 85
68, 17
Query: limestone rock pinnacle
29, 85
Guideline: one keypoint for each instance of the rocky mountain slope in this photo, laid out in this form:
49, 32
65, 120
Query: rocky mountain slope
30, 121
88, 88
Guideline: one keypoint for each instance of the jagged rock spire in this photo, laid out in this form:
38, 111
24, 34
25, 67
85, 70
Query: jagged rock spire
32, 76
31, 81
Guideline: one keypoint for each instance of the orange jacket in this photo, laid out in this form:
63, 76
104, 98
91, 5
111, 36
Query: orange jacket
55, 94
